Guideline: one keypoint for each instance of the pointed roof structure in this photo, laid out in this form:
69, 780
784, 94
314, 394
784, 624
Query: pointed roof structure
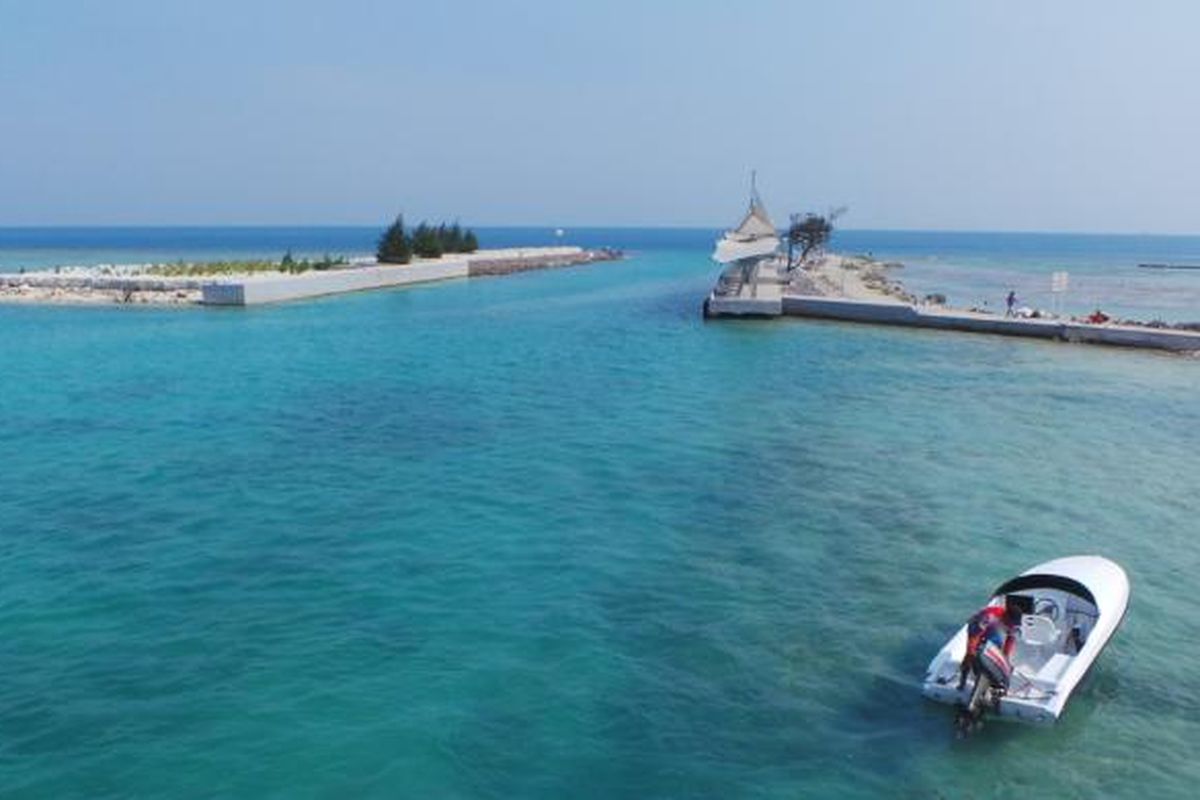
756, 222
754, 237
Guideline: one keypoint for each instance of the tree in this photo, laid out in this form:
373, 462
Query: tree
395, 247
425, 242
469, 243
810, 233
452, 238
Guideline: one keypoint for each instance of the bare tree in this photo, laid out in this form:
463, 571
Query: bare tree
810, 233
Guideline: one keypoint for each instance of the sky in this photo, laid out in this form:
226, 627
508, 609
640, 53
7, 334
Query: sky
929, 114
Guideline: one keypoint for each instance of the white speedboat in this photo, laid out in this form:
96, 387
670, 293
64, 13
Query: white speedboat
1068, 609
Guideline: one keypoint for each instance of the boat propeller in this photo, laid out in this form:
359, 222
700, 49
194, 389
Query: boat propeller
984, 697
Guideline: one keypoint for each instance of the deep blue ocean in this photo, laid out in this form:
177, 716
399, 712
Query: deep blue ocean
553, 535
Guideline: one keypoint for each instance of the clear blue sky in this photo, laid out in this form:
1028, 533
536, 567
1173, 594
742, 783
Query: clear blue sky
954, 114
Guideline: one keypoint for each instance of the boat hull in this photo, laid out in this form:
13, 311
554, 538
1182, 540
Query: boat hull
1091, 583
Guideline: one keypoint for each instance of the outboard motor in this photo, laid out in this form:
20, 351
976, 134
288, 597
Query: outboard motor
992, 675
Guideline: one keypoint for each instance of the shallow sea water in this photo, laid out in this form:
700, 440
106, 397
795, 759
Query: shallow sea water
553, 535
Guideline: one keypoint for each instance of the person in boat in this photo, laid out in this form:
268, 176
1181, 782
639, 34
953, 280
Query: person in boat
993, 623
1011, 301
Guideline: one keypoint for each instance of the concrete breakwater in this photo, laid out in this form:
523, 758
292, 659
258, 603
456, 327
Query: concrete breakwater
277, 288
97, 286
941, 318
257, 290
506, 265
858, 290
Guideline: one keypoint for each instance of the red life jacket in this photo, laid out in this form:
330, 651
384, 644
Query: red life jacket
986, 620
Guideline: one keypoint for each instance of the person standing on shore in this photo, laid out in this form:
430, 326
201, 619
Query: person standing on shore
1011, 300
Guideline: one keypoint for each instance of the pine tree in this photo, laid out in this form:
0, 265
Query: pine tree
395, 247
469, 243
425, 242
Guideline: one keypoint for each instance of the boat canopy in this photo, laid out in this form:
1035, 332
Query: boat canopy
1092, 578
1042, 581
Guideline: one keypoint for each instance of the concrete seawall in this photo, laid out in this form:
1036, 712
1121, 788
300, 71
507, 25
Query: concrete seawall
277, 288
134, 285
892, 312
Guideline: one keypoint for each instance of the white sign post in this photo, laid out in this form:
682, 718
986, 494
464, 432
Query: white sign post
1059, 282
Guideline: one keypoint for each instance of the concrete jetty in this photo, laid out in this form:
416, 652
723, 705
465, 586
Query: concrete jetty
135, 285
279, 287
769, 293
252, 290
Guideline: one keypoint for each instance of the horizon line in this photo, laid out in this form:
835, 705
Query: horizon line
592, 227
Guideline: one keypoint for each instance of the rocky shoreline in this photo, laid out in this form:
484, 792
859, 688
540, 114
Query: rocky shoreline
486, 267
834, 275
98, 290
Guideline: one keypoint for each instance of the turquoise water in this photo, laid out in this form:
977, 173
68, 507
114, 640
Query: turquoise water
552, 535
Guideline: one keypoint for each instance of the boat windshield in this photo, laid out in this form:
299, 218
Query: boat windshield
1060, 582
